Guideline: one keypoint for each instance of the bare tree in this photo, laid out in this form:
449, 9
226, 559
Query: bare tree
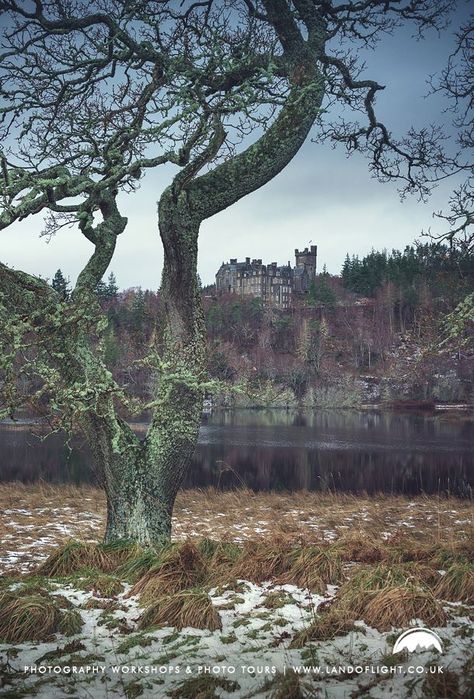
223, 91
456, 82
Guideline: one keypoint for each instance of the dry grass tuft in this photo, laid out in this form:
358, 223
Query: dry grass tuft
365, 582
76, 555
331, 623
203, 687
28, 617
397, 606
359, 548
384, 596
443, 686
288, 686
179, 567
103, 585
192, 608
405, 547
137, 565
208, 547
221, 557
457, 584
261, 561
70, 622
465, 547
313, 567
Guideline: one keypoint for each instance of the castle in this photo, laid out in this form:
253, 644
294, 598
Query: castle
274, 285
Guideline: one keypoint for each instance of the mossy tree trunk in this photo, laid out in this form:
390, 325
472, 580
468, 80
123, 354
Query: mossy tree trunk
142, 477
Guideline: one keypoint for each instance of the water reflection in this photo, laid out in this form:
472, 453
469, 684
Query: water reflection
324, 450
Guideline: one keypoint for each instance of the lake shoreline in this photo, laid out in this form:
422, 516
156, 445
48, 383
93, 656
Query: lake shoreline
454, 410
67, 511
390, 451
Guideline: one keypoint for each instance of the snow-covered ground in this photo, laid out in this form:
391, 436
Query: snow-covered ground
111, 658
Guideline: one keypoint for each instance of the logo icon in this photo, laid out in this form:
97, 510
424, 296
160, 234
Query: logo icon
418, 637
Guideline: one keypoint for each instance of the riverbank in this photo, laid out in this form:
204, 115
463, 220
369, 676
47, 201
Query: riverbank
268, 596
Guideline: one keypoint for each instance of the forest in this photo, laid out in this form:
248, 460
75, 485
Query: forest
381, 331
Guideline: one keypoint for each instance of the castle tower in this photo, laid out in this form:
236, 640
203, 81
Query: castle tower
306, 260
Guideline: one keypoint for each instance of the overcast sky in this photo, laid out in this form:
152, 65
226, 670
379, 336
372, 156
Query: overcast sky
321, 197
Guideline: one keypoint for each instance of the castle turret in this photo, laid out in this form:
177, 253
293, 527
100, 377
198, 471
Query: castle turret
306, 260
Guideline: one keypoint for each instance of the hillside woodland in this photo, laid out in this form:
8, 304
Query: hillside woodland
394, 326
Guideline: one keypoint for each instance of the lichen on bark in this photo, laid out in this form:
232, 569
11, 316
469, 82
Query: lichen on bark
141, 477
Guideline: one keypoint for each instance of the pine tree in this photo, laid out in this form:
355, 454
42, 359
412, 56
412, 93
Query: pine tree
61, 285
101, 290
320, 291
112, 287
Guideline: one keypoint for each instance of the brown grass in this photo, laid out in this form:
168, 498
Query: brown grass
192, 608
187, 565
263, 560
28, 617
306, 516
370, 579
77, 555
443, 686
394, 577
457, 584
397, 606
222, 555
180, 567
288, 686
359, 548
203, 687
383, 596
313, 567
389, 595
327, 625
